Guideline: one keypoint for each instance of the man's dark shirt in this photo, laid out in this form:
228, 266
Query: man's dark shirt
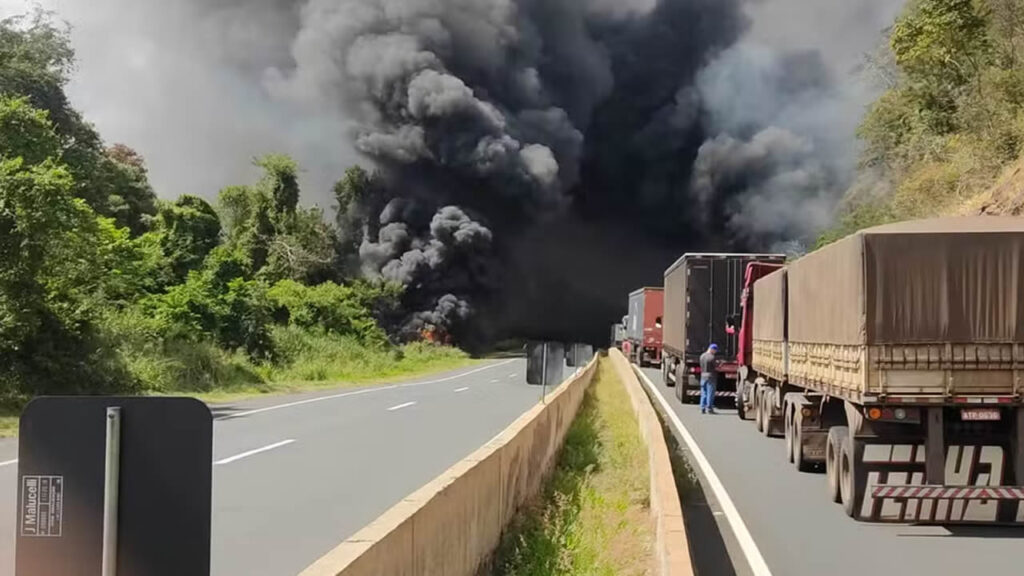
708, 364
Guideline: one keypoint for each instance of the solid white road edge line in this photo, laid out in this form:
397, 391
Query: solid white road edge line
252, 452
739, 528
361, 391
8, 462
463, 389
400, 406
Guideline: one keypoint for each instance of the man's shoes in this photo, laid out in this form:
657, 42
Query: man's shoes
703, 411
711, 411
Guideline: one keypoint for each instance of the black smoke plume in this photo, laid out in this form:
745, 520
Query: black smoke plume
537, 158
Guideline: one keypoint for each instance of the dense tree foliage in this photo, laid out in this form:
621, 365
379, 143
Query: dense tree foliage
103, 288
952, 117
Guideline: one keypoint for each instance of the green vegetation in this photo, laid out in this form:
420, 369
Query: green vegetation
106, 289
593, 517
951, 118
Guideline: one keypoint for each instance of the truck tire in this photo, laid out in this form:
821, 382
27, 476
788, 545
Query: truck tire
766, 414
741, 406
758, 410
665, 369
832, 451
852, 477
798, 443
680, 381
787, 409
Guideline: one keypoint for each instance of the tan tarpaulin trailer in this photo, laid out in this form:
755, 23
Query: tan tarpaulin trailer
931, 307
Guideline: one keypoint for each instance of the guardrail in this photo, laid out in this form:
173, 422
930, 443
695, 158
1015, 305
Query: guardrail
453, 524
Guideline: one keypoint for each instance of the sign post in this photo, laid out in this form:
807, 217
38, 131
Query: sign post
111, 476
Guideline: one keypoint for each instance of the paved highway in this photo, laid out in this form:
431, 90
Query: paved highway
798, 532
295, 475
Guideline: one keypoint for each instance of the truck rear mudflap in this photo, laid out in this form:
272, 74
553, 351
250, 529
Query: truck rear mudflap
896, 489
935, 504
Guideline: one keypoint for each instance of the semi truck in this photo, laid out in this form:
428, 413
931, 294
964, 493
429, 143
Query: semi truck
618, 333
894, 358
643, 327
702, 306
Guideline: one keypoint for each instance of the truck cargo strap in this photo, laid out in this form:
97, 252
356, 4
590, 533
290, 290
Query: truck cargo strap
938, 492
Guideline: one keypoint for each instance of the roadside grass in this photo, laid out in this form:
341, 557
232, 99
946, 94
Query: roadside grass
309, 361
593, 516
10, 412
345, 367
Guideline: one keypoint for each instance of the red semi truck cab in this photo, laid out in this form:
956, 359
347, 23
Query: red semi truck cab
643, 326
755, 271
745, 350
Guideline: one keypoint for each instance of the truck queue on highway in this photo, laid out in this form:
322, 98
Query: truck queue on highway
892, 359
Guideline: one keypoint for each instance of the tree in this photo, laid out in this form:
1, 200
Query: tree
188, 229
54, 261
303, 249
26, 132
248, 220
941, 46
281, 182
221, 300
357, 196
120, 177
36, 60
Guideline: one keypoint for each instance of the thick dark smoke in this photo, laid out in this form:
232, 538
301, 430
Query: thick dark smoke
540, 157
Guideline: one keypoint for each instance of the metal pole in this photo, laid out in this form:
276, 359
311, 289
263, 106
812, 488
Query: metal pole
544, 373
112, 472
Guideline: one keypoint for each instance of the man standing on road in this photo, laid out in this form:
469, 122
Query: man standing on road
708, 379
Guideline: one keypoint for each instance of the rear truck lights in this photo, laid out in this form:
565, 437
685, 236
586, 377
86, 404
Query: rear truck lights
806, 412
908, 415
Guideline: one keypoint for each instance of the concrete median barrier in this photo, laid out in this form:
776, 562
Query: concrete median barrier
672, 551
451, 526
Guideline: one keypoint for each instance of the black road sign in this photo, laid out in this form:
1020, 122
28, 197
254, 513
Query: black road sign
166, 468
544, 363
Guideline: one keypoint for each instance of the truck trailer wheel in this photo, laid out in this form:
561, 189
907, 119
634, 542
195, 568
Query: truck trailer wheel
741, 405
766, 402
799, 461
832, 452
852, 478
680, 383
758, 411
666, 368
787, 409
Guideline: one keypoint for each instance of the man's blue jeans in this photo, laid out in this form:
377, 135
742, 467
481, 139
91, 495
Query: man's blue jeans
707, 393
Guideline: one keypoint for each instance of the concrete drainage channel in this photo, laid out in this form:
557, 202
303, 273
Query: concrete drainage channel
714, 548
452, 525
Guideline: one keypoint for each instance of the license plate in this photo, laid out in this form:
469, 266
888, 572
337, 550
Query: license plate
730, 375
976, 414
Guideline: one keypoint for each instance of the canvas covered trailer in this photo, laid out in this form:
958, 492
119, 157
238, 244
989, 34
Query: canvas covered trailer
895, 357
917, 310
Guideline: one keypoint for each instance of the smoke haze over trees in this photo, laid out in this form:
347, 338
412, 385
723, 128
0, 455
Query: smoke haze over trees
525, 163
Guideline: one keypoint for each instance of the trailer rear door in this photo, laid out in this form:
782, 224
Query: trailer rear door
698, 308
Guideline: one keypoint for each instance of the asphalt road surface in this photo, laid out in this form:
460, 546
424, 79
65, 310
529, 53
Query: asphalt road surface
797, 531
296, 475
